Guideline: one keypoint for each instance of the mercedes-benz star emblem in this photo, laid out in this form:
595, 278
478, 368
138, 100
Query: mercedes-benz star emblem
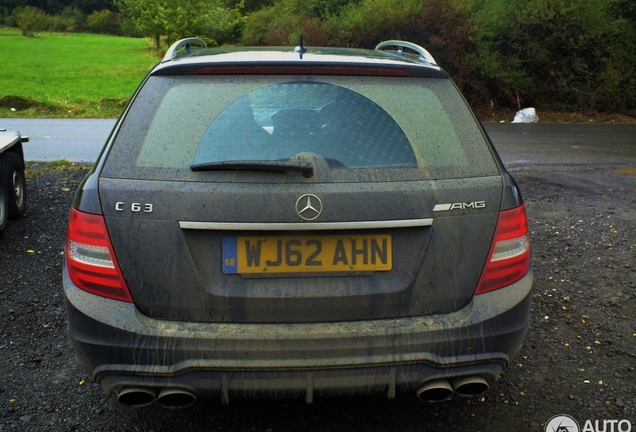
309, 207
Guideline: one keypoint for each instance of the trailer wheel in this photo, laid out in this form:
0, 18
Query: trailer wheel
12, 174
4, 204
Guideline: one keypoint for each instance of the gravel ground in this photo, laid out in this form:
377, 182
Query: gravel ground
579, 357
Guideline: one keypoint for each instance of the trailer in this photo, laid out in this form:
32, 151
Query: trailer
12, 179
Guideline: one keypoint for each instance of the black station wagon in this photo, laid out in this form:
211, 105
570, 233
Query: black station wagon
296, 222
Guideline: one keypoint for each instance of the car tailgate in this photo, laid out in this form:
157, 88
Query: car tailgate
173, 243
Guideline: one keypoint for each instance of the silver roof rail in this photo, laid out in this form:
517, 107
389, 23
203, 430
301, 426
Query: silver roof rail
403, 44
186, 44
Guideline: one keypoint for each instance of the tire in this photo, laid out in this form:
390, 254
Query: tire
12, 174
4, 207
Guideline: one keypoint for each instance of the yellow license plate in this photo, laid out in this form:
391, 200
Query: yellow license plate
307, 254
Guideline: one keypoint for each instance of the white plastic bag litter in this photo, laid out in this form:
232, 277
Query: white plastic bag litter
526, 115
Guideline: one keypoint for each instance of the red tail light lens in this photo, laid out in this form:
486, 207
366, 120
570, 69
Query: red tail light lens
509, 258
90, 259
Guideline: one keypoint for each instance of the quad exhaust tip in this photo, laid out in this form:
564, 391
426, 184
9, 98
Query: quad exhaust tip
470, 386
176, 398
442, 389
136, 397
435, 391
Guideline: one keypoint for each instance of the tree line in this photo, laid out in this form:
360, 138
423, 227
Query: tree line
559, 54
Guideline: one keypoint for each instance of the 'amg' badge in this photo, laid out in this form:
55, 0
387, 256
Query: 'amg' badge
459, 206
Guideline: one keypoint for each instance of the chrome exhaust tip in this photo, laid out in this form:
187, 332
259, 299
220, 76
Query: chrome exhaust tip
176, 398
435, 391
470, 386
136, 396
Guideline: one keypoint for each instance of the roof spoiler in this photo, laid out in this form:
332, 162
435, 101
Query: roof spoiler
184, 46
401, 45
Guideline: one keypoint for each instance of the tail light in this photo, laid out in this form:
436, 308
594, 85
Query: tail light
509, 257
90, 259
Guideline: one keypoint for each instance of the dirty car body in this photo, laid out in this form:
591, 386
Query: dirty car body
280, 222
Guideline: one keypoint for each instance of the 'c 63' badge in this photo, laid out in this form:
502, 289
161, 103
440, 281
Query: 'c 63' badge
135, 207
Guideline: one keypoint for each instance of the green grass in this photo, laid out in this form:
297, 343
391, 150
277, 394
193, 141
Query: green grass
70, 75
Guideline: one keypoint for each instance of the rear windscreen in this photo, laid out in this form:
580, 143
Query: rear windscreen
364, 128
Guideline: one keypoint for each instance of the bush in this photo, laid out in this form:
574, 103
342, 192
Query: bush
254, 5
577, 53
10, 21
62, 24
31, 20
69, 20
446, 28
274, 25
369, 22
282, 22
103, 21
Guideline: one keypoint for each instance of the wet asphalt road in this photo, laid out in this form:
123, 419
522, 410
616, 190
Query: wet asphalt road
518, 144
76, 140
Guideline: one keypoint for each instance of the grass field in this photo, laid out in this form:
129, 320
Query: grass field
70, 75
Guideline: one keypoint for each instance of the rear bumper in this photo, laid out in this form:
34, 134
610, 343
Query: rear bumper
122, 348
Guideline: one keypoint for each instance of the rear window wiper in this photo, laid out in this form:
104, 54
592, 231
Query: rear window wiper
305, 168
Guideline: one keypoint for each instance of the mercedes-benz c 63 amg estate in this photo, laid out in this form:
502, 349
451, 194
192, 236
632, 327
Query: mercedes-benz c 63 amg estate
296, 222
